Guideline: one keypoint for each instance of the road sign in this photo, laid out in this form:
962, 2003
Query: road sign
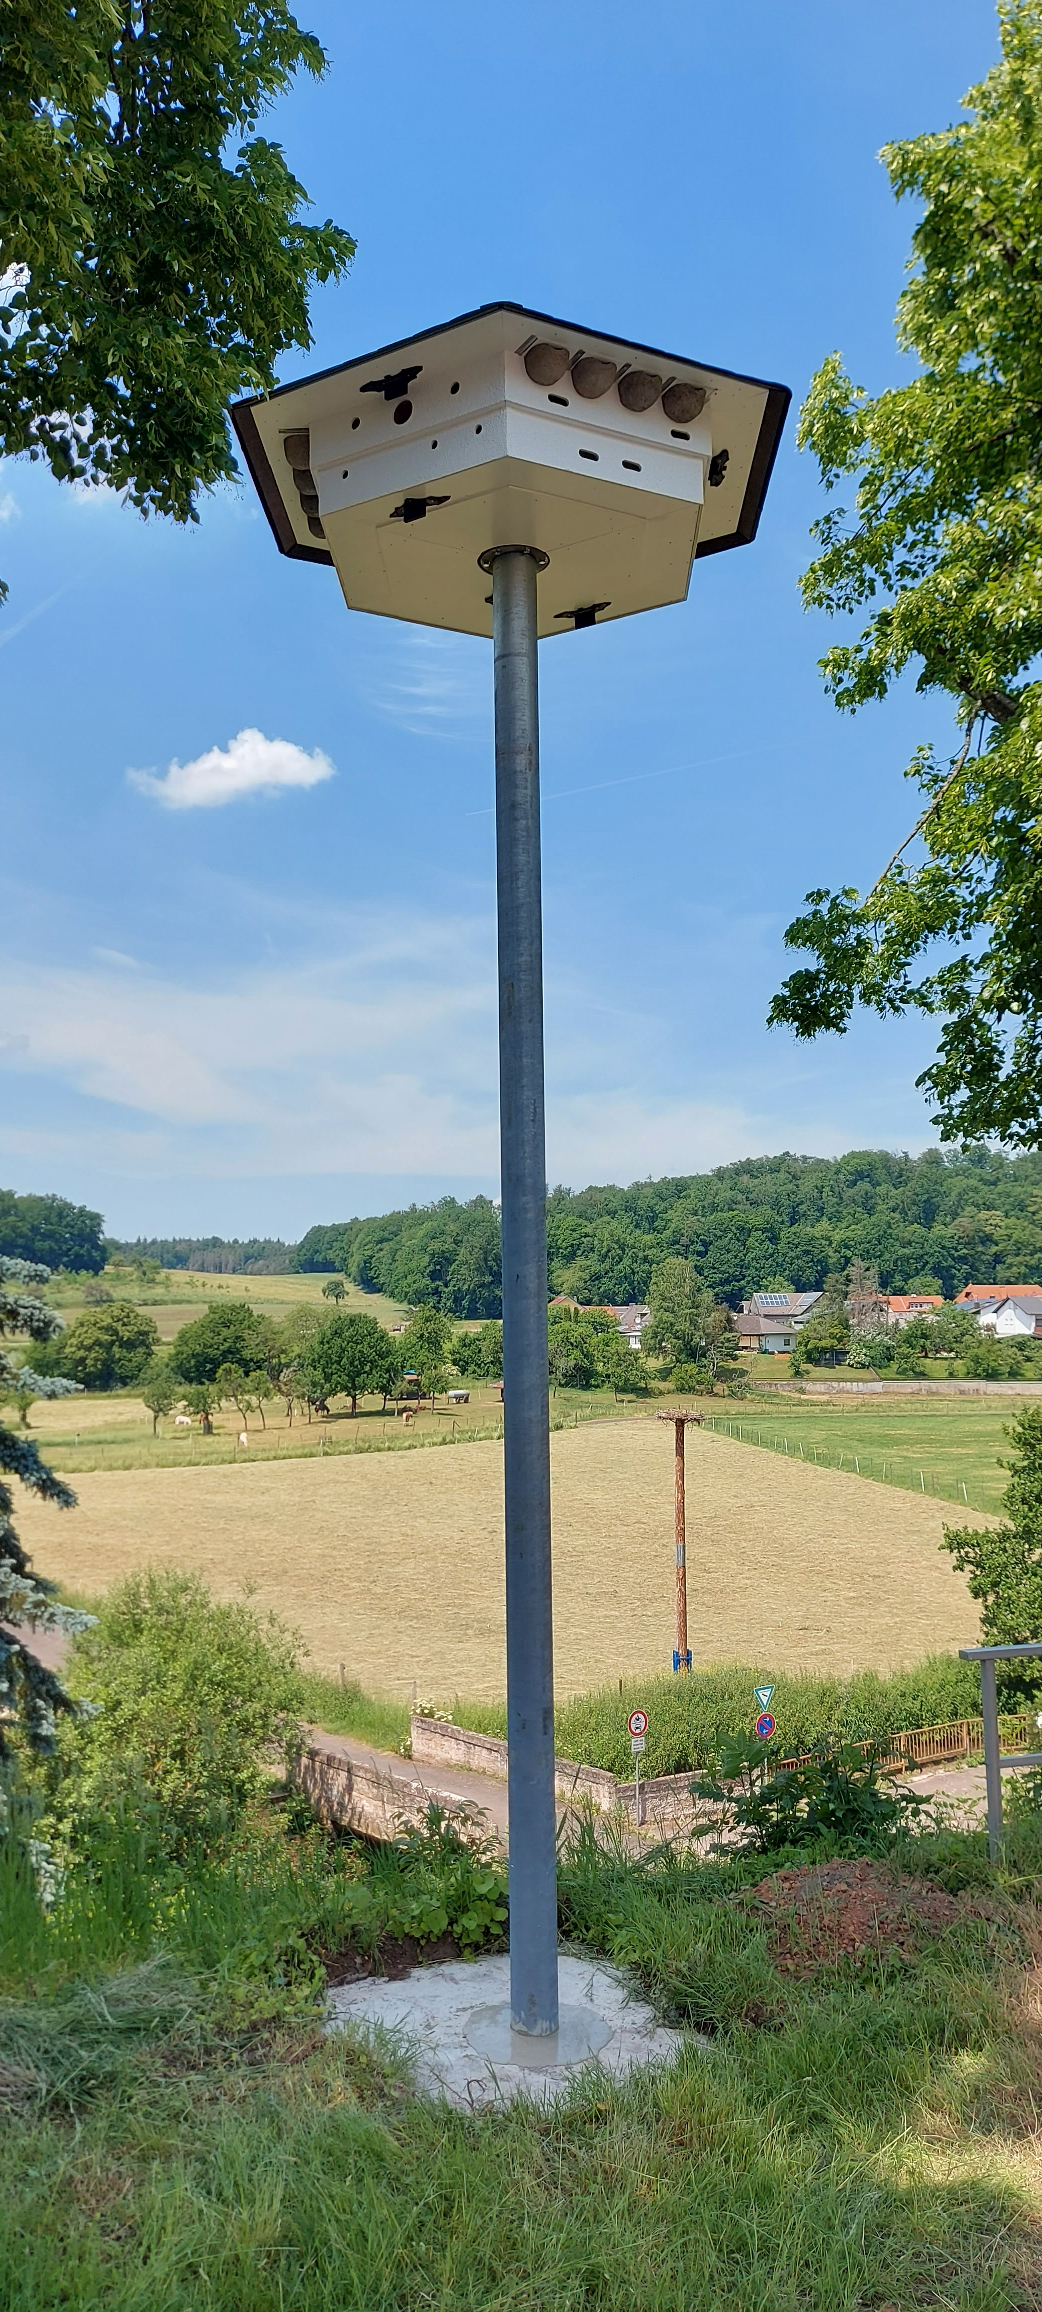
763, 1696
638, 1721
637, 1745
764, 1727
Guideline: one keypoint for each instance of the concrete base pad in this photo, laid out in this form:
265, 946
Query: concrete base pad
453, 2024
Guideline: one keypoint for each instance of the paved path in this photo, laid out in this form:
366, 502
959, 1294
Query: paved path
450, 1783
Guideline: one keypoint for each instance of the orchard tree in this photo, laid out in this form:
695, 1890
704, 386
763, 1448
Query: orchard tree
346, 1359
31, 1697
159, 1389
231, 1333
940, 554
152, 251
335, 1289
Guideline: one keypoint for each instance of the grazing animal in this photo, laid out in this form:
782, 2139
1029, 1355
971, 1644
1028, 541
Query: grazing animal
244, 1437
182, 1420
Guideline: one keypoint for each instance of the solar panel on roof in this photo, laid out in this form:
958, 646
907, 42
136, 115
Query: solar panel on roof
773, 1300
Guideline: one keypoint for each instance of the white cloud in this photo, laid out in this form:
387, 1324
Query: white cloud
249, 765
9, 507
115, 955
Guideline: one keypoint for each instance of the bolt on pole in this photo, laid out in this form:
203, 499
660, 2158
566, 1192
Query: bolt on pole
526, 1405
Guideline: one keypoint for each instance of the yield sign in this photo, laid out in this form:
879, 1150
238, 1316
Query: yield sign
763, 1696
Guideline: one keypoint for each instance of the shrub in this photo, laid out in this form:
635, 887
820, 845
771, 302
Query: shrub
195, 1700
838, 1794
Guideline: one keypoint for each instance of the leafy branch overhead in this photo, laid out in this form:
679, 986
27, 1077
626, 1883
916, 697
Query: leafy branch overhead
153, 259
943, 552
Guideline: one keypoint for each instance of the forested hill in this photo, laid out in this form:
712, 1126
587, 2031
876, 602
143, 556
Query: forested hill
768, 1222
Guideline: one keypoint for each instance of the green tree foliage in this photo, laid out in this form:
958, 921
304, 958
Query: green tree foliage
20, 1386
159, 1389
958, 1216
51, 1231
688, 1326
423, 1349
1003, 1564
335, 1290
110, 1347
479, 1356
231, 1333
944, 540
195, 1701
212, 1255
320, 1249
155, 258
31, 1698
350, 1356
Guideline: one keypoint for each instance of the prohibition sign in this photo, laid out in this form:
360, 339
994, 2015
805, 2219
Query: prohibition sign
639, 1722
765, 1726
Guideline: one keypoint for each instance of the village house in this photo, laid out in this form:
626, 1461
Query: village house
977, 1295
1012, 1318
631, 1321
770, 1321
902, 1307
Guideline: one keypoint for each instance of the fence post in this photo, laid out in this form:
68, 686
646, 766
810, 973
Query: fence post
992, 1769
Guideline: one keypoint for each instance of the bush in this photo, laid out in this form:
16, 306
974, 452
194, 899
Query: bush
196, 1699
690, 1717
838, 1795
109, 1347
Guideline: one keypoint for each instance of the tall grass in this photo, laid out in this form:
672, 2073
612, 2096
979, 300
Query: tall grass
839, 2143
689, 1717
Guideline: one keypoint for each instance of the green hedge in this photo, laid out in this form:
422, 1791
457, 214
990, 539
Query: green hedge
688, 1717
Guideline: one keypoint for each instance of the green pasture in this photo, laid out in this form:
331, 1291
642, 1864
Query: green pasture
946, 1446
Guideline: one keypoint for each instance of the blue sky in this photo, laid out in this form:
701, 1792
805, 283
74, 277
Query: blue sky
249, 1017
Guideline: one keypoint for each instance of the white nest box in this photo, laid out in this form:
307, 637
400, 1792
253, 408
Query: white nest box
618, 463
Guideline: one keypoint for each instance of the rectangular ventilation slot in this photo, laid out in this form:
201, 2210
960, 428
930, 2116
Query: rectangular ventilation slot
594, 455
560, 398
631, 466
677, 435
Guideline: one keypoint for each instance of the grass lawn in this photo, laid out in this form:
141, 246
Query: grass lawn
946, 1446
114, 1431
843, 2133
181, 1294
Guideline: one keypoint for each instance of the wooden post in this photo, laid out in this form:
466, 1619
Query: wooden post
680, 1420
681, 1526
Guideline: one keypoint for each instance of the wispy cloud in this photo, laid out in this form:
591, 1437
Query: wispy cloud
8, 633
249, 765
9, 507
434, 688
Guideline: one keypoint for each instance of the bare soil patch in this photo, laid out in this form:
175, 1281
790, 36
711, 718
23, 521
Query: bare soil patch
858, 1910
393, 1563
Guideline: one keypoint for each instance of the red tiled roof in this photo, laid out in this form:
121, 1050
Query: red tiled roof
990, 1292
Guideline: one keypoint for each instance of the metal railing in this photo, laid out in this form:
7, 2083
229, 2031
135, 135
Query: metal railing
994, 1758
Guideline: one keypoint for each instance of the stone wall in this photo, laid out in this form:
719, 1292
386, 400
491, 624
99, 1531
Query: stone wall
434, 1743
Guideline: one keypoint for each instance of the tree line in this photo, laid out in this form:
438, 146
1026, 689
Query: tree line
933, 1222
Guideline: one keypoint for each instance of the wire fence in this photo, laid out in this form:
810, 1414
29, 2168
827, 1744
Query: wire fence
902, 1470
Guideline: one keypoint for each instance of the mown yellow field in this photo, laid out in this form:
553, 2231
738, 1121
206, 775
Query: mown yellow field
392, 1563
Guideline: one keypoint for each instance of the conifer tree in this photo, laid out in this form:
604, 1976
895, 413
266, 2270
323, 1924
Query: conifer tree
31, 1696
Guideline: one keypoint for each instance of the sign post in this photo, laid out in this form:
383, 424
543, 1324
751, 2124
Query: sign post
513, 476
680, 1420
638, 1729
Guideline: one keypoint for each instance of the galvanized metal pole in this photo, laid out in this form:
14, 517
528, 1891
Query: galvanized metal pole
992, 1768
681, 1530
526, 1406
